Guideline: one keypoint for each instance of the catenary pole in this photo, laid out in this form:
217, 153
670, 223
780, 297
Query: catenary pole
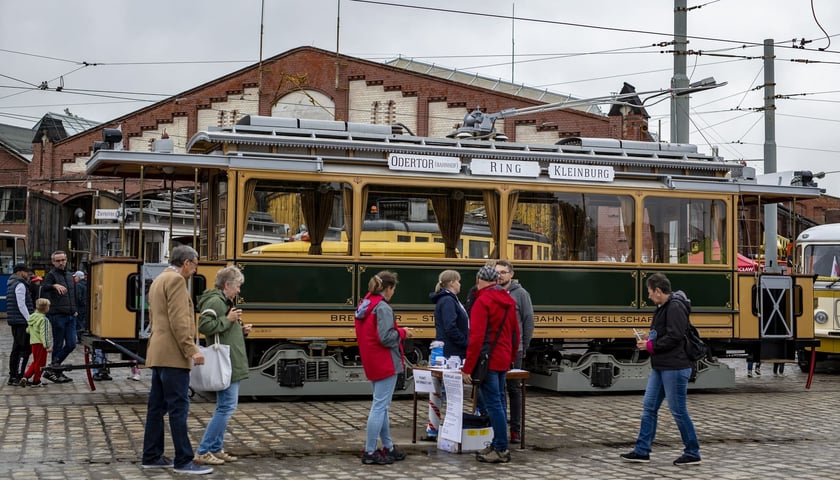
771, 258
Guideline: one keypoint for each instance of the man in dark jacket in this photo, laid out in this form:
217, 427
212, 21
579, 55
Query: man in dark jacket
19, 307
670, 371
525, 316
493, 321
60, 290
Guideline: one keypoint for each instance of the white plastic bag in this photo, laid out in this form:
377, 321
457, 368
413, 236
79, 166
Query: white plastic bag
214, 375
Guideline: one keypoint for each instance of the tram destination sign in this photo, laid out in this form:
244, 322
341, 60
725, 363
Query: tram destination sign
423, 163
584, 173
504, 168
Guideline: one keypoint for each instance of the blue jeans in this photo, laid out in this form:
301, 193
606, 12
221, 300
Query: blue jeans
169, 395
673, 385
99, 357
492, 394
64, 336
378, 425
214, 437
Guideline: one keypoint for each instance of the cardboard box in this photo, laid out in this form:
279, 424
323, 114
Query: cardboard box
472, 440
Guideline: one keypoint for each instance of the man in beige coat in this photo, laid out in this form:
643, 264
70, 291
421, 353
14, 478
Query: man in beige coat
171, 354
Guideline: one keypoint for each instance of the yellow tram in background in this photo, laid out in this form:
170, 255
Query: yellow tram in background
585, 221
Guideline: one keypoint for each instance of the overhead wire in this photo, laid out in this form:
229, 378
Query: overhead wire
570, 24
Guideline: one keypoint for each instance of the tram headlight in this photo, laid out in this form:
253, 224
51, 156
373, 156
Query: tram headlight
820, 317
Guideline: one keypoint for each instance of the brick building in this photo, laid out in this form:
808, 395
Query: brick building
305, 82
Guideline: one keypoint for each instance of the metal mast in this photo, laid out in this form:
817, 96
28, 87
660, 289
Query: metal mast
679, 82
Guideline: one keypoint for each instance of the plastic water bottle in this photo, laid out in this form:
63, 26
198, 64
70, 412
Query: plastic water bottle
437, 358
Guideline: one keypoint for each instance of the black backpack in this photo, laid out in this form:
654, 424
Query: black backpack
695, 347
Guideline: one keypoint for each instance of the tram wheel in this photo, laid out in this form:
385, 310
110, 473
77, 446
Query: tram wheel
272, 350
414, 353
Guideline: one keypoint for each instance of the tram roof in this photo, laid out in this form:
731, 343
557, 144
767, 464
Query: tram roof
342, 147
829, 232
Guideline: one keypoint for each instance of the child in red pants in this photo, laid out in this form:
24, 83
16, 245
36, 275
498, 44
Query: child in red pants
40, 337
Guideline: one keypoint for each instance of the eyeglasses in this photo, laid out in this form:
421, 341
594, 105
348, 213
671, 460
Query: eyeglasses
503, 272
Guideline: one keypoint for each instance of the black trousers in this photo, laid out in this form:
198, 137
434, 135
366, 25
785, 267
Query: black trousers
20, 351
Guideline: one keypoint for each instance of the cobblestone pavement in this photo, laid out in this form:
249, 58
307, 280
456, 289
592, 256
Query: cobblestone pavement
767, 427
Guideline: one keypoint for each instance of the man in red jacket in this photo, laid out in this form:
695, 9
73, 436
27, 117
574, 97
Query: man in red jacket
494, 328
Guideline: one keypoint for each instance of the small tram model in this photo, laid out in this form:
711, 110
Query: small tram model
584, 221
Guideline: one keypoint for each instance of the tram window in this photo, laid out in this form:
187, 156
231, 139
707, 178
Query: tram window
479, 249
284, 217
403, 238
523, 252
570, 226
433, 217
7, 255
822, 260
684, 230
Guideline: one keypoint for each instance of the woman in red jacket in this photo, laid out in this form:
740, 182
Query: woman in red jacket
380, 346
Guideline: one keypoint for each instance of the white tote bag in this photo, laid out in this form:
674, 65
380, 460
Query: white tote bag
214, 375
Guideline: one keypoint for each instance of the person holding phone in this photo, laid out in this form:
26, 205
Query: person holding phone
220, 317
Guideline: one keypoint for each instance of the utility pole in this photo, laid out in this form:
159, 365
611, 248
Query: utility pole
679, 82
771, 257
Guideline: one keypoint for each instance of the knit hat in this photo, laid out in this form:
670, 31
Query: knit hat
488, 274
20, 267
79, 274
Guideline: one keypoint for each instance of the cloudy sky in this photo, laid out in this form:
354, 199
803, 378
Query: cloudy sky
115, 57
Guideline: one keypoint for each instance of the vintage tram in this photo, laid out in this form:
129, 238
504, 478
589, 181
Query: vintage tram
584, 221
817, 253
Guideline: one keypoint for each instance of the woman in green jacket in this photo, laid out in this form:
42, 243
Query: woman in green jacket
219, 316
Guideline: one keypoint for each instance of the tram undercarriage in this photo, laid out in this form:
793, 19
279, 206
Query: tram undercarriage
310, 369
613, 369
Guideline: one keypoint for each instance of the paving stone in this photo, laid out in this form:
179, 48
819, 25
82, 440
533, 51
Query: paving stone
763, 428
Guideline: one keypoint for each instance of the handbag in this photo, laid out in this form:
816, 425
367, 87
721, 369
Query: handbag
482, 366
215, 374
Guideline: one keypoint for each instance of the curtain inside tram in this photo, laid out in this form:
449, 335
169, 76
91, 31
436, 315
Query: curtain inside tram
250, 202
449, 210
491, 209
347, 210
573, 219
317, 205
628, 220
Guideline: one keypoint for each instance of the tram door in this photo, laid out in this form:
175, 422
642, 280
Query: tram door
775, 304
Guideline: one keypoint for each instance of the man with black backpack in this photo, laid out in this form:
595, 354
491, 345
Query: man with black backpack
670, 371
